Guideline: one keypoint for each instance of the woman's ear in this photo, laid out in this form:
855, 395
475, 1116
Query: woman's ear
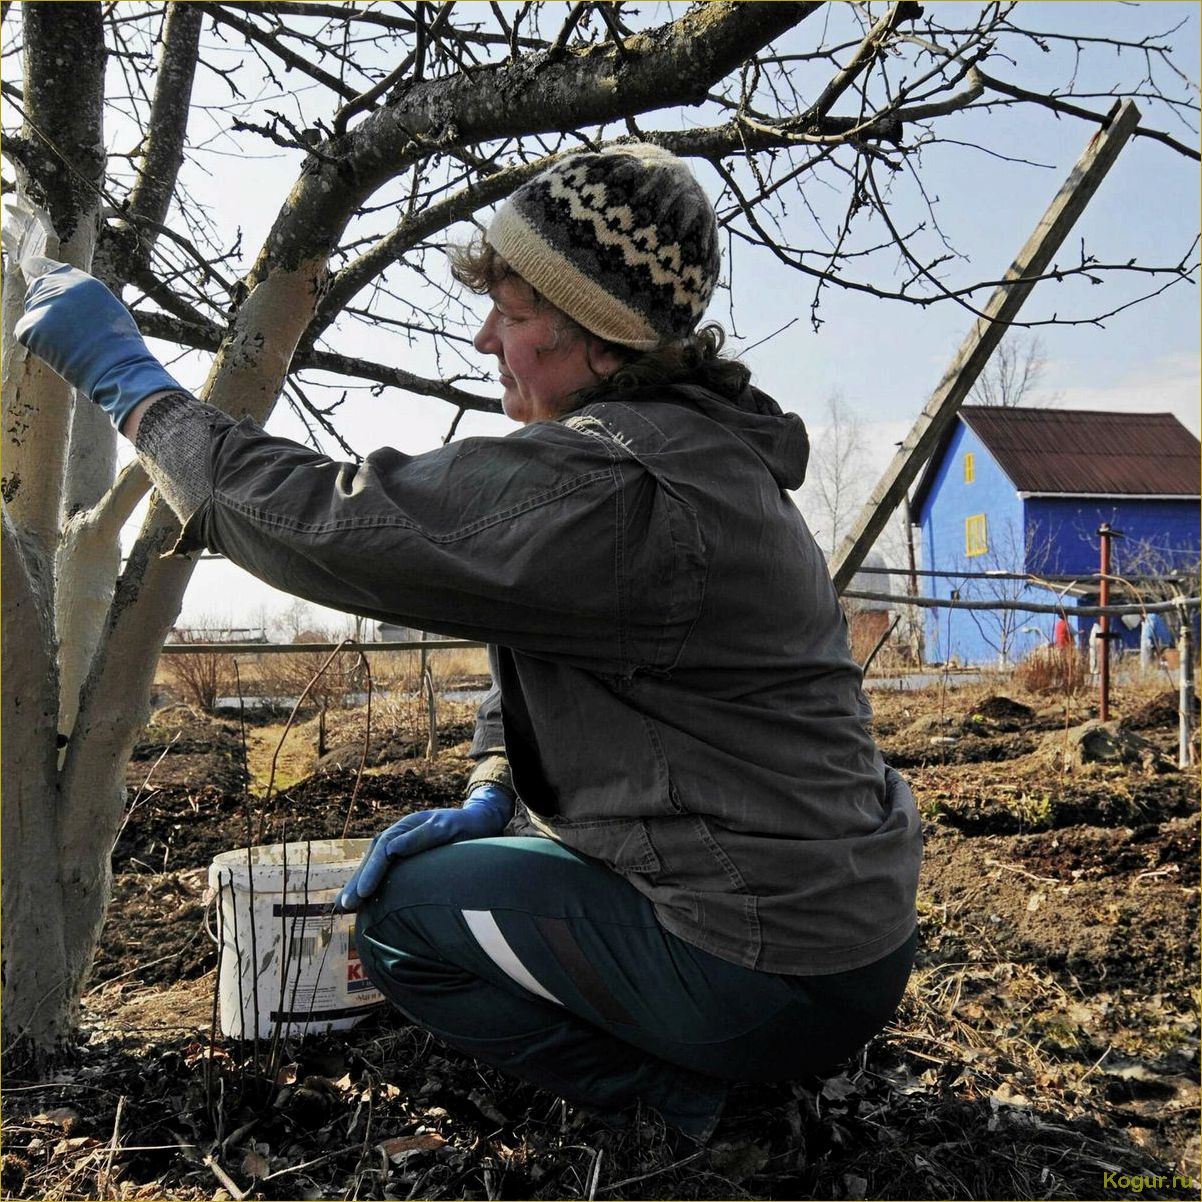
605, 358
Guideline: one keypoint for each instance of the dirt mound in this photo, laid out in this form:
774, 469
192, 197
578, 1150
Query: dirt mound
192, 752
999, 714
178, 827
154, 934
1163, 710
1102, 905
389, 748
918, 749
1035, 792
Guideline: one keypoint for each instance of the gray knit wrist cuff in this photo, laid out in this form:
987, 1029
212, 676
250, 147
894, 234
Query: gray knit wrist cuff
175, 438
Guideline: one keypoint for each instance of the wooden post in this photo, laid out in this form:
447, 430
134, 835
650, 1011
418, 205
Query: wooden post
427, 686
1185, 703
1104, 625
1034, 258
914, 617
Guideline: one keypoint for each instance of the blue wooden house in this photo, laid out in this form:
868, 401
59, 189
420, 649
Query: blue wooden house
1025, 490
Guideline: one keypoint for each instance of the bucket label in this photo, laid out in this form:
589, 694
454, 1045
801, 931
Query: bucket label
303, 910
309, 939
357, 980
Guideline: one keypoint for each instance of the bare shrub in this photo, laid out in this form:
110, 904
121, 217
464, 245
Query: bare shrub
289, 676
1052, 670
200, 677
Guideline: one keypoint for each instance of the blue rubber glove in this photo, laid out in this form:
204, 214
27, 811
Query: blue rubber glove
485, 813
87, 335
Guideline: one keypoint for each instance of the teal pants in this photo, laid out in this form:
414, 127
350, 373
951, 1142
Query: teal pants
547, 964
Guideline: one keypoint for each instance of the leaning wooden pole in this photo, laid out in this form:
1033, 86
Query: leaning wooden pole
1032, 261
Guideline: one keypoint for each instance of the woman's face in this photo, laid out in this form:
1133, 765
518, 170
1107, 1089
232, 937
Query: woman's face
540, 362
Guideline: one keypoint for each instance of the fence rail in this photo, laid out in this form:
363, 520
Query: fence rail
1029, 607
309, 648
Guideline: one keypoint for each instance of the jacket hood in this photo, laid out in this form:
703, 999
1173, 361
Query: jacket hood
779, 439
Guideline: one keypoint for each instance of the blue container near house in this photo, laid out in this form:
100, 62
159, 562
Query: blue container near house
1025, 490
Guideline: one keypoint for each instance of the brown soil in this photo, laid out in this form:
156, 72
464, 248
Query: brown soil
1050, 1034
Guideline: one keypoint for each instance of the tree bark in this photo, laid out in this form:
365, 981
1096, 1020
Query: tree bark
89, 556
64, 60
37, 1013
114, 706
64, 67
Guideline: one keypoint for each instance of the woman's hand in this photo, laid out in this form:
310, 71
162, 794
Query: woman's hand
74, 323
485, 813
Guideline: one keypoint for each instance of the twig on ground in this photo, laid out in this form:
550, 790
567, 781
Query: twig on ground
105, 1182
1046, 880
225, 1179
654, 1173
595, 1174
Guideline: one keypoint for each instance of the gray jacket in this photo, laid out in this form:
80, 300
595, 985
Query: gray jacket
676, 692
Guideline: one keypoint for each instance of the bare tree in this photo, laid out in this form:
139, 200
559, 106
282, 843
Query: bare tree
293, 620
390, 126
1015, 548
202, 676
836, 480
1012, 374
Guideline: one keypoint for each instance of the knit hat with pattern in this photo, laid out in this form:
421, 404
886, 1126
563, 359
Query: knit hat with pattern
624, 242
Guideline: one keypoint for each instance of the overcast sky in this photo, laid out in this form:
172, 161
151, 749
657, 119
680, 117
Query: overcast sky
884, 359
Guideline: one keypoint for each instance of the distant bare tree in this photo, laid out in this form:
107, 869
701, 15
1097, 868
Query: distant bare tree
292, 621
1014, 548
837, 479
1012, 374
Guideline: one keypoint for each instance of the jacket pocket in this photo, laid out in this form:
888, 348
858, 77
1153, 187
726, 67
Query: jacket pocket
622, 843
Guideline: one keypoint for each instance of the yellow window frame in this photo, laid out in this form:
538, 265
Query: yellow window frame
970, 467
976, 535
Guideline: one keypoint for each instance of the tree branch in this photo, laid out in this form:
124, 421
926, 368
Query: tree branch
381, 373
167, 127
17, 150
124, 248
206, 338
297, 62
515, 98
1073, 110
365, 101
865, 54
675, 64
343, 12
358, 274
161, 294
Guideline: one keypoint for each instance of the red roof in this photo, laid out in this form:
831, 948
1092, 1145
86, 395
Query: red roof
1089, 452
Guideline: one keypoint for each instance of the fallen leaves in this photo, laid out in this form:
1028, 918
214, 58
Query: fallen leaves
399, 1148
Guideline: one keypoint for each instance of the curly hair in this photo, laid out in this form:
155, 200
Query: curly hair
697, 359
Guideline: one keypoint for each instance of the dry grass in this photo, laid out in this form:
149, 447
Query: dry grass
390, 670
1053, 670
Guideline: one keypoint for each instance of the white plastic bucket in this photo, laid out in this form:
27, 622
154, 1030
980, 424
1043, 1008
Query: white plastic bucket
285, 960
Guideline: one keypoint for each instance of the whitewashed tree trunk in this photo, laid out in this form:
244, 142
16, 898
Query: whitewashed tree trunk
37, 1006
65, 64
